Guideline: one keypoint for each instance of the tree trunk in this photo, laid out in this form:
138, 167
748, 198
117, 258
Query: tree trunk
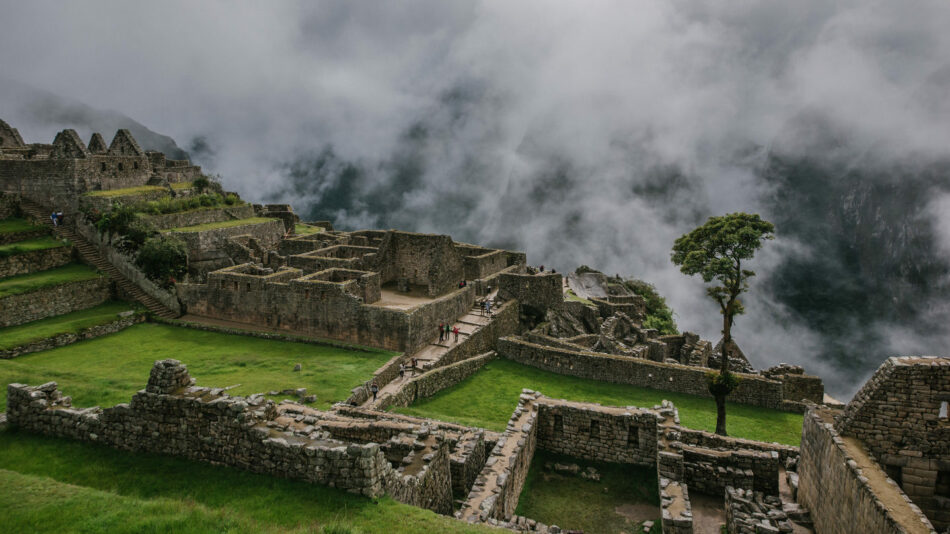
721, 415
724, 369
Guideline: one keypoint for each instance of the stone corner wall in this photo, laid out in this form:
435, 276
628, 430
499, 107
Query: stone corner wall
833, 487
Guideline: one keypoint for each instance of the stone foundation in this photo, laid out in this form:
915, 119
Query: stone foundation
54, 300
35, 261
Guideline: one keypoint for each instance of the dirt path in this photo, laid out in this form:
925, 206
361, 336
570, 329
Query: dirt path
708, 513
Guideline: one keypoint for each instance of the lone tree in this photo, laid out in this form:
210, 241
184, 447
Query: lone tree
716, 251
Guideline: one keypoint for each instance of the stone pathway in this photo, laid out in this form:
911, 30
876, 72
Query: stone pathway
429, 357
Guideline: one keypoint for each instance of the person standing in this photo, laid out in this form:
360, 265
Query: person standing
402, 371
456, 332
441, 331
375, 389
448, 330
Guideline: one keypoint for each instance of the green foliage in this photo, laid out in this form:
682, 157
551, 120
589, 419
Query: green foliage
337, 528
659, 315
116, 220
722, 383
716, 251
163, 259
231, 199
585, 269
201, 183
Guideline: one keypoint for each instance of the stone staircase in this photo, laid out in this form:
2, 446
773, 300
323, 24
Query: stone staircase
91, 255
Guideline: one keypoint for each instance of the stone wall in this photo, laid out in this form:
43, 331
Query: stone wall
426, 260
504, 322
35, 261
13, 237
710, 471
594, 432
699, 438
199, 216
9, 205
434, 381
537, 293
835, 490
266, 233
62, 340
171, 416
424, 319
638, 372
54, 300
752, 512
901, 416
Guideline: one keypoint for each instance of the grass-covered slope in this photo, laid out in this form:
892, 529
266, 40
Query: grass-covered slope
25, 283
70, 323
57, 485
30, 245
487, 399
108, 370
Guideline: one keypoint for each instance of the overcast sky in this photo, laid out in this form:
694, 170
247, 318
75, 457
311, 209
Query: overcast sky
541, 120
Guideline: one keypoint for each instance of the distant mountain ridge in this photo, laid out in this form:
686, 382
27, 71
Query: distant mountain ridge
39, 114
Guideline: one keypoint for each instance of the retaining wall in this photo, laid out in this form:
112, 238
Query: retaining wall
606, 434
434, 381
54, 300
752, 389
62, 340
35, 261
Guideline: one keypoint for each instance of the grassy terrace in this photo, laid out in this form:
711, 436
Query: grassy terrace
306, 229
487, 399
110, 369
182, 185
14, 336
57, 485
15, 224
222, 224
26, 283
623, 498
30, 245
111, 193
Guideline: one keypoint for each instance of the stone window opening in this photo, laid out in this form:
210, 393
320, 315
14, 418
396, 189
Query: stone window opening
558, 424
895, 473
135, 165
121, 167
633, 436
102, 167
594, 428
943, 411
248, 286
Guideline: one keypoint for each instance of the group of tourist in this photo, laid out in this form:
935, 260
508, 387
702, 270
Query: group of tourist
56, 217
411, 368
446, 330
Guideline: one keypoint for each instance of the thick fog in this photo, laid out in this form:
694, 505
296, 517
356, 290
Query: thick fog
582, 132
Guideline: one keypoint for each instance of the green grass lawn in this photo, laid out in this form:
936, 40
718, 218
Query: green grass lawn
14, 336
576, 503
57, 485
182, 185
25, 283
487, 399
112, 193
15, 224
40, 243
306, 229
110, 369
222, 224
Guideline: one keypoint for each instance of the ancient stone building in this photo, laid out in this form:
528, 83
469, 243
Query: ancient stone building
57, 174
886, 457
383, 289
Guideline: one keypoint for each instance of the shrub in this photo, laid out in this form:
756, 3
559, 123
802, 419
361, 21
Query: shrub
231, 199
116, 220
201, 183
208, 200
136, 234
163, 259
659, 315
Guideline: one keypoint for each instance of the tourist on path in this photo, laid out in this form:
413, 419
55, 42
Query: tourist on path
402, 370
375, 389
52, 217
441, 331
456, 332
448, 329
488, 307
